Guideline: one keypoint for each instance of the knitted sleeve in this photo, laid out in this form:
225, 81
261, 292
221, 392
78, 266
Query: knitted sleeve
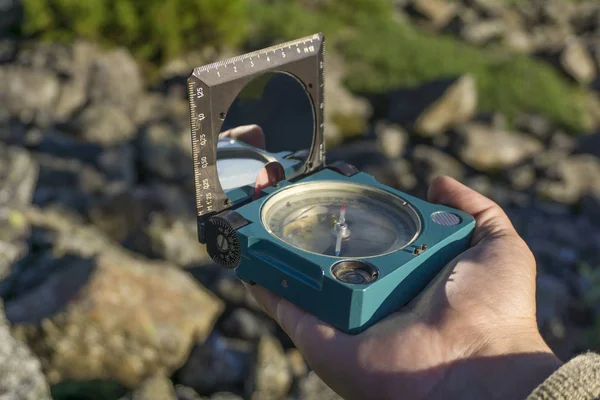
578, 379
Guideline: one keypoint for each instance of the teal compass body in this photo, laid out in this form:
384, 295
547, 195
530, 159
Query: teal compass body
326, 237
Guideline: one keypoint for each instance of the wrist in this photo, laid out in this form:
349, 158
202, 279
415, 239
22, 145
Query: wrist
508, 367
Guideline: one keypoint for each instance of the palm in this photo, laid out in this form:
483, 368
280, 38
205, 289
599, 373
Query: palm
481, 305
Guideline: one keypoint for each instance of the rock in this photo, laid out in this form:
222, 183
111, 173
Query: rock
488, 150
67, 182
568, 180
186, 393
216, 365
348, 115
552, 296
577, 62
8, 50
176, 239
313, 388
228, 287
18, 176
435, 12
27, 94
562, 142
429, 163
590, 205
156, 388
522, 178
104, 124
403, 175
12, 14
116, 80
21, 374
271, 376
297, 363
392, 139
536, 125
244, 324
436, 106
589, 144
164, 153
97, 320
483, 32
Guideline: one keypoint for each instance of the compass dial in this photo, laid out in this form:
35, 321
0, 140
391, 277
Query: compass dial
341, 219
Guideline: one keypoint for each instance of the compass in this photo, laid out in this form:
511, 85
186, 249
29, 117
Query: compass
324, 236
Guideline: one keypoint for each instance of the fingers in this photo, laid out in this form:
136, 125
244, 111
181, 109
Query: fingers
491, 219
269, 175
319, 342
250, 134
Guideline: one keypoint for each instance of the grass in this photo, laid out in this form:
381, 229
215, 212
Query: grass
380, 53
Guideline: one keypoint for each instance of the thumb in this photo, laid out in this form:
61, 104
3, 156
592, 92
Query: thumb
491, 221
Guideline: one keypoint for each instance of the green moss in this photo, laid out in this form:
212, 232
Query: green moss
153, 30
380, 52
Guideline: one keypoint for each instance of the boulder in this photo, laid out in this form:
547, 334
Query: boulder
112, 315
487, 150
271, 375
216, 365
21, 375
570, 179
432, 108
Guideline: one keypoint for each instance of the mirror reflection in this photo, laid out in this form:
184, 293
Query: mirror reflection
270, 119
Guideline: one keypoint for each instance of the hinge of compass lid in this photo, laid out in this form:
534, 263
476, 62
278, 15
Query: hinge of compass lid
212, 90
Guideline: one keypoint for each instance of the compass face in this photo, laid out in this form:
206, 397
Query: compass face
341, 219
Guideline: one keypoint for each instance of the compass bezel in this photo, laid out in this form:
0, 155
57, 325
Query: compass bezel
391, 201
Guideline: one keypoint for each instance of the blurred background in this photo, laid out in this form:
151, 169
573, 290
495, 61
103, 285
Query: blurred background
106, 292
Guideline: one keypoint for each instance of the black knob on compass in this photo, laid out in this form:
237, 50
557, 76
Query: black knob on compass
222, 242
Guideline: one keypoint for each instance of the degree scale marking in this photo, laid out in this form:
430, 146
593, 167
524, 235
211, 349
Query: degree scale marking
210, 198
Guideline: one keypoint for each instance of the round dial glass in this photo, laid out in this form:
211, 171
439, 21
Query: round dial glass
341, 219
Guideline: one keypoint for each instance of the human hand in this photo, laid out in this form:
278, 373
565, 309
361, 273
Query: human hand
472, 333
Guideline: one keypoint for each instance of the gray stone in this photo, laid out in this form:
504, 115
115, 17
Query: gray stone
271, 376
568, 180
104, 124
244, 324
124, 324
297, 363
216, 365
483, 32
348, 115
156, 388
8, 49
27, 94
429, 163
534, 124
391, 139
313, 388
436, 12
165, 153
21, 374
522, 178
551, 294
116, 79
577, 62
432, 108
489, 150
18, 176
176, 239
